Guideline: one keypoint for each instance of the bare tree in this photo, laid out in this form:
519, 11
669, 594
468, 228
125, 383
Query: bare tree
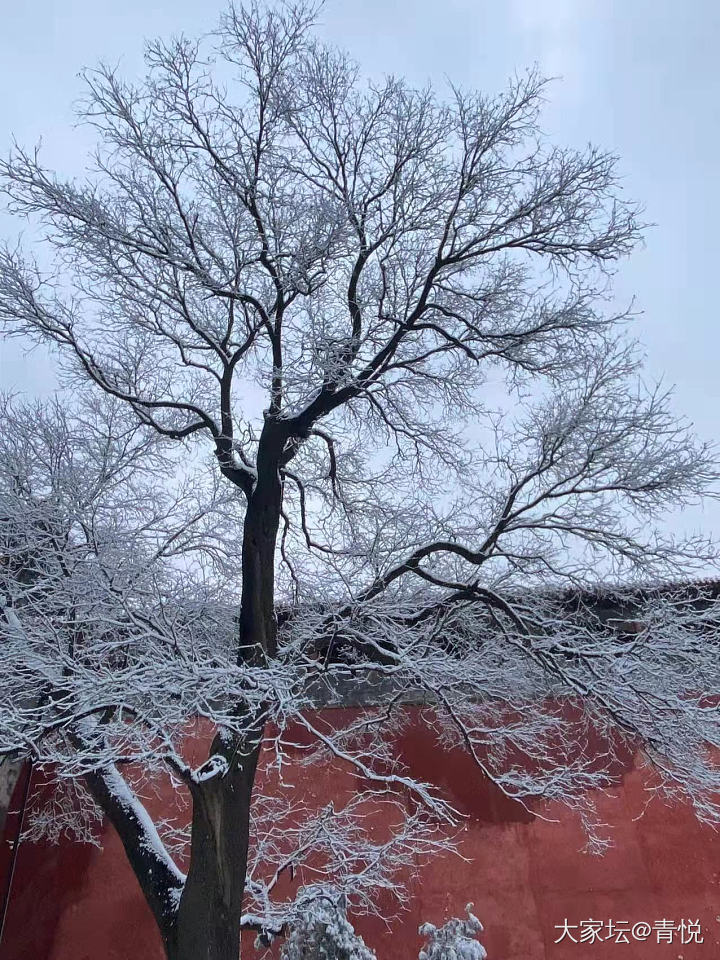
327, 281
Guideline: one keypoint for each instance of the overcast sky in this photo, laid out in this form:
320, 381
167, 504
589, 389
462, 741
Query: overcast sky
636, 76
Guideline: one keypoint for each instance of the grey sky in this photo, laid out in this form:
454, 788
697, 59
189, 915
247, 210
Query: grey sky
638, 77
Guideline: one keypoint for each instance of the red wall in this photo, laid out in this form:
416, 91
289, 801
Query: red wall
524, 875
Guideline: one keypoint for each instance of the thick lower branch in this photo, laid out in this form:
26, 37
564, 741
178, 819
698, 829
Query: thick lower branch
160, 879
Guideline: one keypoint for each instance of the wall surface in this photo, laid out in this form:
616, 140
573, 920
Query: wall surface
525, 875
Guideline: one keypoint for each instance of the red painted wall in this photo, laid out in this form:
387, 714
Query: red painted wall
524, 875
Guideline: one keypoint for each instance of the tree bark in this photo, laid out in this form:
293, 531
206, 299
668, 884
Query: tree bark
207, 926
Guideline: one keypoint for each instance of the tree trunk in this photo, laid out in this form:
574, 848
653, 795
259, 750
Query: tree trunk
210, 911
207, 926
258, 626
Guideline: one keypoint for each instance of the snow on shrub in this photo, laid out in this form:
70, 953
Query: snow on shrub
455, 940
325, 933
